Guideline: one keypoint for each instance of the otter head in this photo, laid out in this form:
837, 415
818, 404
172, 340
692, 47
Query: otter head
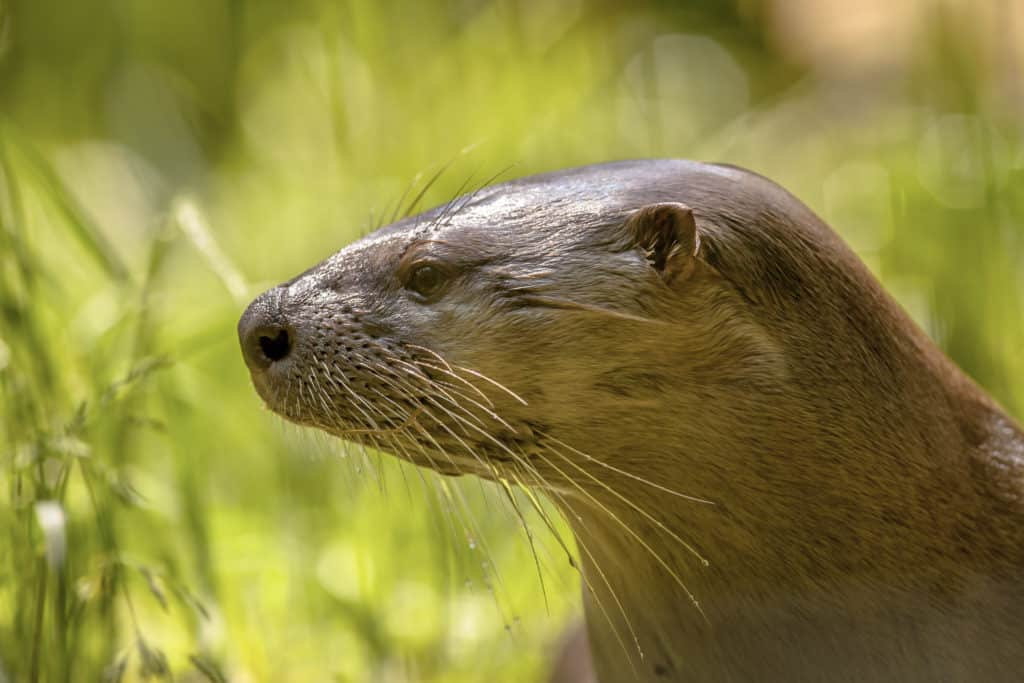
518, 332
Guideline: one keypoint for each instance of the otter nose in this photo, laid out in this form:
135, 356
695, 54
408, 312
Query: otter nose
264, 333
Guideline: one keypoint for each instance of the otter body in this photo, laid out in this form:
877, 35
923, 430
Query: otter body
771, 472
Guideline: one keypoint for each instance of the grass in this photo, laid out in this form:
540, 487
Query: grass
135, 554
162, 167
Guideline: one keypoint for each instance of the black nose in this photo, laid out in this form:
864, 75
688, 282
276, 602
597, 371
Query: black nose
264, 332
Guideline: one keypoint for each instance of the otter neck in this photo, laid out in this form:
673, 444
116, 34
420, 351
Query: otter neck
800, 528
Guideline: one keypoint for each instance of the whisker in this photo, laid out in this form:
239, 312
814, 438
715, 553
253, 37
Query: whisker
624, 473
405, 193
648, 516
338, 380
468, 199
448, 208
529, 535
370, 435
628, 529
417, 399
451, 373
431, 352
494, 382
450, 388
586, 581
480, 539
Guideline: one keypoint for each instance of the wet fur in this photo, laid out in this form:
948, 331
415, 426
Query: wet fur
868, 516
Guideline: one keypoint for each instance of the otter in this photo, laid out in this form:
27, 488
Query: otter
771, 472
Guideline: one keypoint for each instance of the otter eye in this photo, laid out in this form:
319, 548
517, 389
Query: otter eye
426, 280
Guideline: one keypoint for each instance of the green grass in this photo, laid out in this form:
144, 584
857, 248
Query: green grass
161, 165
196, 533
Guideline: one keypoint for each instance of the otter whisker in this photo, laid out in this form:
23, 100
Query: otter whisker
315, 390
330, 411
400, 429
594, 563
624, 473
431, 352
463, 423
290, 402
450, 388
516, 456
334, 412
586, 580
338, 380
539, 509
405, 193
418, 374
451, 373
440, 423
408, 417
446, 396
433, 385
444, 487
529, 535
300, 398
463, 510
426, 188
398, 447
481, 540
449, 207
370, 434
425, 433
468, 199
470, 423
523, 461
492, 381
629, 530
430, 183
402, 466
648, 516
467, 424
521, 487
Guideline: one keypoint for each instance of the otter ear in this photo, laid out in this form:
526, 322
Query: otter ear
668, 235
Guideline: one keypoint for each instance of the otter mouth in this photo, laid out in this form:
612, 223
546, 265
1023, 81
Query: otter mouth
431, 434
426, 433
403, 400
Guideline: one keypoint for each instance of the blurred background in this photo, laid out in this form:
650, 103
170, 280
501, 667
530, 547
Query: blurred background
161, 163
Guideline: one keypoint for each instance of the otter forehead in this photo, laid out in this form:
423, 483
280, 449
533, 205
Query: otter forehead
617, 185
586, 197
541, 222
745, 221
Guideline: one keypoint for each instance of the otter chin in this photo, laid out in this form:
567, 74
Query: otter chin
771, 472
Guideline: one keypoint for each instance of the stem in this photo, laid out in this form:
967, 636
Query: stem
37, 640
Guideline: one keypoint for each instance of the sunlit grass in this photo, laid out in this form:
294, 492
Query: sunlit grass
144, 535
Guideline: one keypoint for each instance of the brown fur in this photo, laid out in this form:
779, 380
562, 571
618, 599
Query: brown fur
867, 516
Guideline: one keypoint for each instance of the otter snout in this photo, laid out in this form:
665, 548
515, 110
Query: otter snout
265, 333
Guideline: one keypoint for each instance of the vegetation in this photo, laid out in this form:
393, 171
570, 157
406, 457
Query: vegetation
162, 163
